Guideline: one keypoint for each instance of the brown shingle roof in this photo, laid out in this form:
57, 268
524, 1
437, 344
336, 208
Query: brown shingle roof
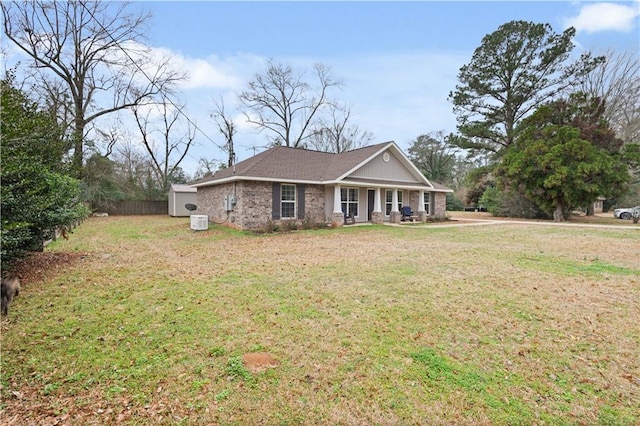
297, 164
302, 165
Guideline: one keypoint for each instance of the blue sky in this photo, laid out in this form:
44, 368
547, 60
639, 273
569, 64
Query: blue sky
398, 61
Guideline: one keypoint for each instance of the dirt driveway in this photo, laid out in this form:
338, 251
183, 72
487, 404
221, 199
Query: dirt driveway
481, 218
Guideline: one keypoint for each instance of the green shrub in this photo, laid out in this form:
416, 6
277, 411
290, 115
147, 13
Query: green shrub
454, 203
492, 199
510, 204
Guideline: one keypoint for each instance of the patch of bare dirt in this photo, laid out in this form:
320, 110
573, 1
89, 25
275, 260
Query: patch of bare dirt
256, 362
38, 266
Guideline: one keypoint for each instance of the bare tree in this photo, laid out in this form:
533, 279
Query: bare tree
282, 102
132, 166
55, 98
109, 138
94, 48
226, 127
167, 150
336, 134
206, 167
617, 82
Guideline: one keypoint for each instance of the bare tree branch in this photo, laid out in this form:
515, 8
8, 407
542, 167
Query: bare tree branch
93, 48
335, 134
284, 104
167, 154
617, 82
226, 127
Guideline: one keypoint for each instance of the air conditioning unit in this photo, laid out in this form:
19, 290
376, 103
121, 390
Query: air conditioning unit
199, 222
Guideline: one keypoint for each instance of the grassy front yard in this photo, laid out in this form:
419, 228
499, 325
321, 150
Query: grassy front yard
147, 322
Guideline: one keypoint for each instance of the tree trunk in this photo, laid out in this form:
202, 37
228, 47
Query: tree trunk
590, 210
78, 145
558, 214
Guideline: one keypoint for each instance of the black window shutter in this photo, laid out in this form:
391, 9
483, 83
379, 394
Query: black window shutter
300, 201
275, 201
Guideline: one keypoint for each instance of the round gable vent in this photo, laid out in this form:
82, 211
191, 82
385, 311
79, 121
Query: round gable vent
385, 157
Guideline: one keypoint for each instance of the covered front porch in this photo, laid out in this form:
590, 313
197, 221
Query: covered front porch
382, 203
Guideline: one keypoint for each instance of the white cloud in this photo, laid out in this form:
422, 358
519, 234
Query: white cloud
397, 96
202, 73
596, 17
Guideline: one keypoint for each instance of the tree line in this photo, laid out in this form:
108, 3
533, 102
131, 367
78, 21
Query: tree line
536, 126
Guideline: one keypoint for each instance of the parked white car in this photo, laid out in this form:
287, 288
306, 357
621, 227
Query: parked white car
625, 213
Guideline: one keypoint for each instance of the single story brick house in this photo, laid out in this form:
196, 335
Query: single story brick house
369, 184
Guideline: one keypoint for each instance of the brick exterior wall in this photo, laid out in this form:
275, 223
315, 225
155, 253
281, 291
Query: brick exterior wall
315, 203
210, 201
253, 204
414, 201
253, 208
440, 205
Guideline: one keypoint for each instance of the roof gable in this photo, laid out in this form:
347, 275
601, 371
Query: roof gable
386, 166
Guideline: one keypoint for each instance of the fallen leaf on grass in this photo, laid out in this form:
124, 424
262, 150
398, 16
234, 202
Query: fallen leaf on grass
632, 379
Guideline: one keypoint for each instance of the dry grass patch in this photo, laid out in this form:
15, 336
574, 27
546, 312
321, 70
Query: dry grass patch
365, 325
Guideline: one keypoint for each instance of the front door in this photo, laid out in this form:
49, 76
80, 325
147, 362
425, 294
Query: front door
371, 196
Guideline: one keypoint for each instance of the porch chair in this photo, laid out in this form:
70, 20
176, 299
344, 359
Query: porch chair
407, 213
348, 219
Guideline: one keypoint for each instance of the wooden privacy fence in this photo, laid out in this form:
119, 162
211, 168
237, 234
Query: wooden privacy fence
133, 208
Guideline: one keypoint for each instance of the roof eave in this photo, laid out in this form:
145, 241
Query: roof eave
257, 179
399, 185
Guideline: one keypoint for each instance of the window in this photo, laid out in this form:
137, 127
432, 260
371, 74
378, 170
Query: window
288, 201
427, 201
349, 200
389, 201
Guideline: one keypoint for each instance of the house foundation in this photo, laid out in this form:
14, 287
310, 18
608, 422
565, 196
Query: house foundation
377, 217
395, 217
337, 219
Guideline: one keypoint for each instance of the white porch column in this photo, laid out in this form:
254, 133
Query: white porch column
337, 202
394, 201
377, 216
421, 201
377, 203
